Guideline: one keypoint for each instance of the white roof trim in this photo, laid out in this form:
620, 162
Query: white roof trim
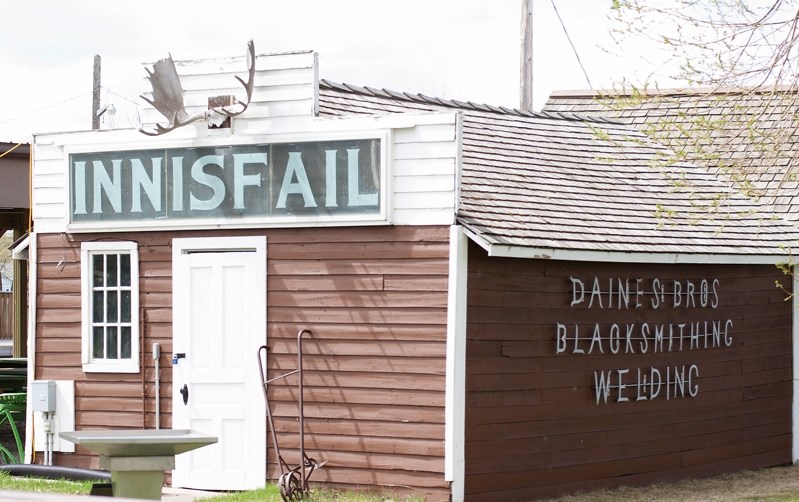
20, 251
507, 251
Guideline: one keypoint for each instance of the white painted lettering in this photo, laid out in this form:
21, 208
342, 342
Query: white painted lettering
621, 386
356, 198
241, 180
177, 183
727, 336
103, 183
80, 188
560, 339
150, 184
596, 292
295, 169
693, 389
602, 385
216, 184
596, 338
331, 187
578, 291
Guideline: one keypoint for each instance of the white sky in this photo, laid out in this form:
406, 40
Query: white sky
461, 49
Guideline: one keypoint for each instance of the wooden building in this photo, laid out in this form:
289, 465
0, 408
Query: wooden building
14, 218
504, 305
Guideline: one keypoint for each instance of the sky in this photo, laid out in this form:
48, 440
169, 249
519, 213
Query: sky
455, 49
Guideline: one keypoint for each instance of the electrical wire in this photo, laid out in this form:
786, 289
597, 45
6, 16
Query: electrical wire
109, 91
45, 108
574, 49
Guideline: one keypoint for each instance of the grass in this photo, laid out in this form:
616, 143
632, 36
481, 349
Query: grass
272, 494
775, 484
8, 482
268, 494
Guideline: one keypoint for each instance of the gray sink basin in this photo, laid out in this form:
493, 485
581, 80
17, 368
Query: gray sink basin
139, 442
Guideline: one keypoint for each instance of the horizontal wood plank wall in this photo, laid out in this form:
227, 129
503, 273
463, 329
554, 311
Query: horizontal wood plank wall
375, 299
534, 427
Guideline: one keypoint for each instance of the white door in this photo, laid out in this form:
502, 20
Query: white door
219, 321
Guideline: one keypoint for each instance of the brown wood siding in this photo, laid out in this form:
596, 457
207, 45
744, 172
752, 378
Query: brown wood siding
533, 425
375, 299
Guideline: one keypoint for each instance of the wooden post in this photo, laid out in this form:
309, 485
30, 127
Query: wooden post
20, 294
96, 93
526, 87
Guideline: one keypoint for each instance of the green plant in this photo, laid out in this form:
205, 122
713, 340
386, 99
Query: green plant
12, 405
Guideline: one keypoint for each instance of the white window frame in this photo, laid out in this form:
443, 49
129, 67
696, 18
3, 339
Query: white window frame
90, 365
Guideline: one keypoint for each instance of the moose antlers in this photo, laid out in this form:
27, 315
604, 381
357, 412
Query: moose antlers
168, 95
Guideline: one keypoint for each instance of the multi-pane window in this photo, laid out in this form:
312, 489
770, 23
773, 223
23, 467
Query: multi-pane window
110, 306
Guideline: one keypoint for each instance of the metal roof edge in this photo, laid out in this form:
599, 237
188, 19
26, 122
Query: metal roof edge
506, 251
670, 92
535, 253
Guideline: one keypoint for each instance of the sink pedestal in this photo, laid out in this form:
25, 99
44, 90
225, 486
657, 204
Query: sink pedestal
138, 458
137, 477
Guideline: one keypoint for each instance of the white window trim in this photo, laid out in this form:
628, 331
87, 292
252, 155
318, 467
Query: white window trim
115, 366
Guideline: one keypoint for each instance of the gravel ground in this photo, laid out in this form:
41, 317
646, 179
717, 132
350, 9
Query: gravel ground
768, 485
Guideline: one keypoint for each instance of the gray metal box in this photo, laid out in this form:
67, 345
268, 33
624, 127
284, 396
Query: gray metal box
42, 395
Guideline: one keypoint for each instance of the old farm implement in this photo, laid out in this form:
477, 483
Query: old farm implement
293, 482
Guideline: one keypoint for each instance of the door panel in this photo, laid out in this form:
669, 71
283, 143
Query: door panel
219, 325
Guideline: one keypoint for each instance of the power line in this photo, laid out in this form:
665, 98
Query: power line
574, 49
44, 108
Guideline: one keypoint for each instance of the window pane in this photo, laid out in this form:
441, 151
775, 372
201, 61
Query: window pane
124, 270
97, 343
98, 306
113, 302
111, 342
125, 343
111, 270
124, 307
97, 270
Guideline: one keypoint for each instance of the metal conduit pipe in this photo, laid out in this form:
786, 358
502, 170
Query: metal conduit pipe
156, 359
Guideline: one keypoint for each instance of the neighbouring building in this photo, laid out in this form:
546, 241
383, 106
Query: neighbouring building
499, 307
15, 218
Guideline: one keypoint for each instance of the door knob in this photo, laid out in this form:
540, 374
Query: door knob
185, 393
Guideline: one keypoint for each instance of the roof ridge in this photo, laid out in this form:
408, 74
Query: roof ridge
454, 103
673, 91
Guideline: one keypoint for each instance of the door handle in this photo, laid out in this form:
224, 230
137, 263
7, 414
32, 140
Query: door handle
185, 393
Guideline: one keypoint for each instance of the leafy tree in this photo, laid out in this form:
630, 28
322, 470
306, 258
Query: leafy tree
717, 43
739, 60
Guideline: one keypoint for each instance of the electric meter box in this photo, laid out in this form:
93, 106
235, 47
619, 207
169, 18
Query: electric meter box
42, 394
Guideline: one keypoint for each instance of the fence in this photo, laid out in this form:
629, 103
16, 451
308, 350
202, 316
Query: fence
6, 316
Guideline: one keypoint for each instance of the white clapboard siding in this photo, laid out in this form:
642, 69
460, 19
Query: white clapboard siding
284, 85
423, 159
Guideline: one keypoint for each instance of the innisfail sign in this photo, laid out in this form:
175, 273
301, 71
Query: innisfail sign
309, 180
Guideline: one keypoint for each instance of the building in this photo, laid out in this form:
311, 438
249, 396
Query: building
498, 307
15, 218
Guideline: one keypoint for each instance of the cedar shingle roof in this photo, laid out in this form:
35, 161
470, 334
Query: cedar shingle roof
561, 181
743, 135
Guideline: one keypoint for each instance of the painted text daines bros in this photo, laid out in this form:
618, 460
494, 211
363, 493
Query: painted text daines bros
661, 380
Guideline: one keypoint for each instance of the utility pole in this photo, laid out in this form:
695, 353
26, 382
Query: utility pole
526, 87
96, 93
